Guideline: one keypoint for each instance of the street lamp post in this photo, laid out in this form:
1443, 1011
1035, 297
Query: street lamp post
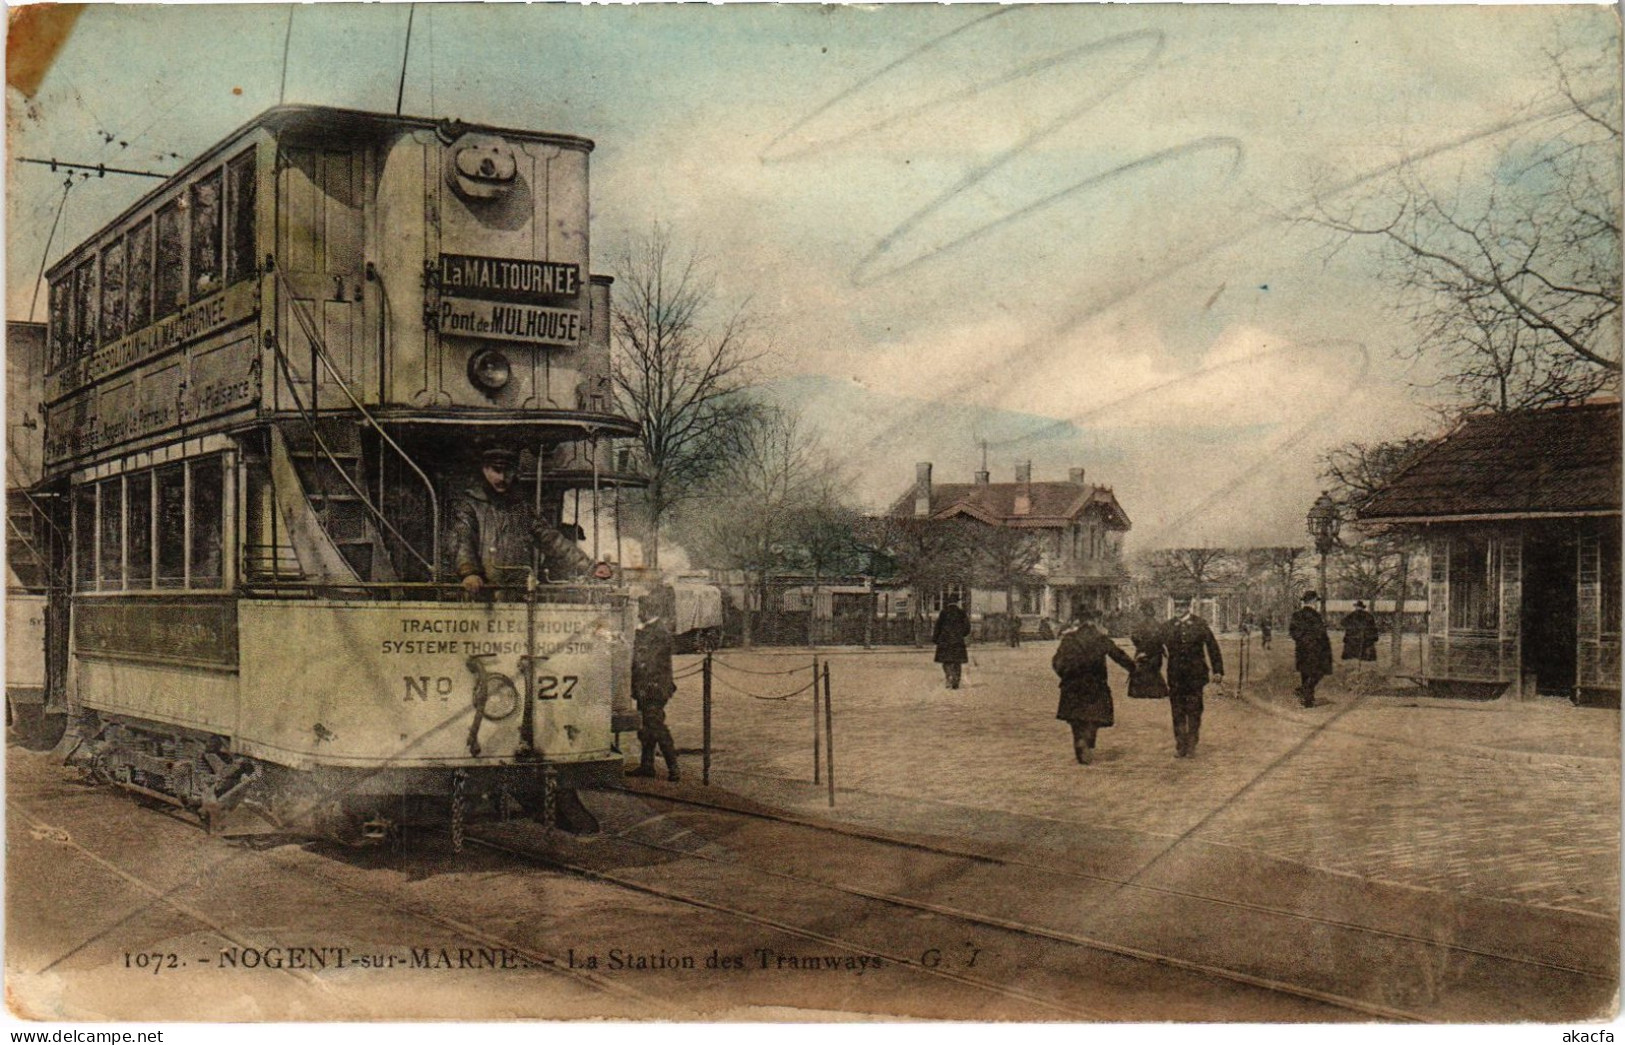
1323, 525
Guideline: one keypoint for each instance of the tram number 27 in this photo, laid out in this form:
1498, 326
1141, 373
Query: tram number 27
556, 687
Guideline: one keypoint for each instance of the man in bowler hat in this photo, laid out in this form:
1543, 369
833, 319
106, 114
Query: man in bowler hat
1313, 656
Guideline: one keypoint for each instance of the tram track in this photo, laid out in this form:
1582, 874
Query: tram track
1488, 967
848, 831
781, 926
1308, 1005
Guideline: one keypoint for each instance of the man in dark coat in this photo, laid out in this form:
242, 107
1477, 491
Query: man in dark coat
1147, 635
1086, 699
1359, 634
949, 635
495, 531
1313, 657
1191, 650
652, 687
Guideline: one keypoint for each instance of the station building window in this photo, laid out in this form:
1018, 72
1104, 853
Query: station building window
207, 210
138, 274
169, 262
953, 592
113, 292
240, 195
1475, 589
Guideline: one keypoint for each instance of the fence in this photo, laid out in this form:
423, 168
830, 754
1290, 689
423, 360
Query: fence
745, 682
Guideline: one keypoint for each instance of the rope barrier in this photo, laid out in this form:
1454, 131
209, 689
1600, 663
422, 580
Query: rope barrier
757, 696
749, 671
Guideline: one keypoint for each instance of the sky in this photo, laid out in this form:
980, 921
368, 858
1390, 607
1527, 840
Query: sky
1071, 233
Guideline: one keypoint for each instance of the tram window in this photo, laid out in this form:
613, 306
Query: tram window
208, 502
171, 506
138, 520
113, 292
169, 263
206, 239
61, 334
240, 189
84, 538
111, 541
138, 275
84, 306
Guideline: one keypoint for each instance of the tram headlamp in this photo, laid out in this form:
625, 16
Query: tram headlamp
501, 696
489, 370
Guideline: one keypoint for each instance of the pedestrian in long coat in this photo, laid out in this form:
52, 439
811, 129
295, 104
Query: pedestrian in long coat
1359, 634
952, 628
1145, 681
1313, 648
1192, 652
1086, 698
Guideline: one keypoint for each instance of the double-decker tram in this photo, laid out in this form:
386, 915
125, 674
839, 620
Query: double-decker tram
268, 386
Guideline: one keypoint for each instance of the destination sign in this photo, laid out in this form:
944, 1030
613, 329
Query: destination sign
191, 323
509, 279
510, 322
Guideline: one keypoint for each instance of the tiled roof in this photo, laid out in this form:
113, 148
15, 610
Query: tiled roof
1049, 502
1560, 459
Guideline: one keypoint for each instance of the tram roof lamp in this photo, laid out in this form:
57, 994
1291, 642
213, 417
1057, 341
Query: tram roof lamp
488, 369
1324, 522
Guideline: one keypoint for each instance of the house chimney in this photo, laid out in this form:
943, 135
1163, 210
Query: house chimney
1024, 472
983, 478
1024, 496
1074, 476
922, 489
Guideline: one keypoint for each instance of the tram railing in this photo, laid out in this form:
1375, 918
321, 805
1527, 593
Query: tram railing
319, 350
555, 594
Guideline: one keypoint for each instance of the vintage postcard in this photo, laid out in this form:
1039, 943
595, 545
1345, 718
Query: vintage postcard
785, 513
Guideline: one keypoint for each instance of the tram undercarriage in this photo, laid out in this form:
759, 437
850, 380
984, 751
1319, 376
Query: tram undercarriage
237, 794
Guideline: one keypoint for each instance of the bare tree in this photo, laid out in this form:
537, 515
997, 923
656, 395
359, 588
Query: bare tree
749, 514
1189, 571
1373, 559
1005, 558
1275, 574
682, 359
1511, 277
925, 555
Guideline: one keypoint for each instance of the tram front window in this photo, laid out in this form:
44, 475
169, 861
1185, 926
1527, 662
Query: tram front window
171, 481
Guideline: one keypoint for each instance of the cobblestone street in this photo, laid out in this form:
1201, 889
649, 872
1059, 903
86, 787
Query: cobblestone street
1493, 800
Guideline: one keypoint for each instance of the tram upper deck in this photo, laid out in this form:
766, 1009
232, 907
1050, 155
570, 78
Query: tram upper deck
289, 349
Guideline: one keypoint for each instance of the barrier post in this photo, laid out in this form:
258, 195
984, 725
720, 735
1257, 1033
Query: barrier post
817, 754
705, 720
829, 734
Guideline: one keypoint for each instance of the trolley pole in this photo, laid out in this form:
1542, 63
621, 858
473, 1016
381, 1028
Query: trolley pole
705, 720
817, 753
829, 734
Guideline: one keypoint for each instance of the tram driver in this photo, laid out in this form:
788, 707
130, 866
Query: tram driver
494, 531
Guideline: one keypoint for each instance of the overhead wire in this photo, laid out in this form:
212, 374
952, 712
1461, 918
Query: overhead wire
45, 255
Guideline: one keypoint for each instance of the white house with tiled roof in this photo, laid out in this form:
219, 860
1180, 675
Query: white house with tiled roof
1079, 526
